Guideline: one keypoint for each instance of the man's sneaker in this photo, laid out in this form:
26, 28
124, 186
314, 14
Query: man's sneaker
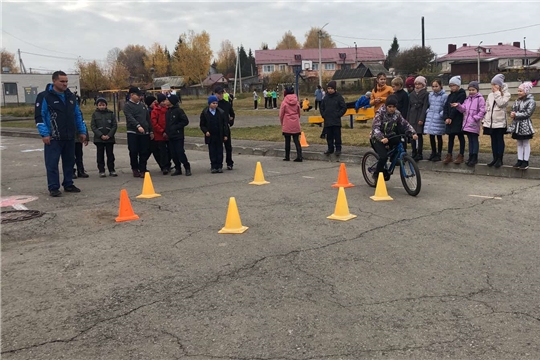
55, 193
113, 173
328, 152
177, 172
72, 189
524, 165
229, 167
518, 164
82, 175
338, 152
102, 175
213, 171
220, 170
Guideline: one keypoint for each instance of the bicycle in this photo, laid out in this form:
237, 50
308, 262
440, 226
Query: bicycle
409, 171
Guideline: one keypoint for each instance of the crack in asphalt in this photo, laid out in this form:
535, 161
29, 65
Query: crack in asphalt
250, 266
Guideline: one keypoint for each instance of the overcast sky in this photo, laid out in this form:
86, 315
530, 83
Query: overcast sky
89, 29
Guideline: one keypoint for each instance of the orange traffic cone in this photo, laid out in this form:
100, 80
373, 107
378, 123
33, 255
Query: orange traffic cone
343, 179
233, 224
148, 191
381, 194
303, 141
125, 211
259, 176
341, 211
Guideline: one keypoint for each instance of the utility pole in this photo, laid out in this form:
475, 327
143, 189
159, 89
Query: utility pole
235, 72
320, 60
240, 70
525, 60
423, 35
21, 64
478, 50
355, 55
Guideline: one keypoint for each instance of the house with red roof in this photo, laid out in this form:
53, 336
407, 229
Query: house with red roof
332, 59
493, 59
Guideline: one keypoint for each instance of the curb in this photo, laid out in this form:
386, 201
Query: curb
504, 171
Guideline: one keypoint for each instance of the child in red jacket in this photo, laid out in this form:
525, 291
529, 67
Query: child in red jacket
158, 124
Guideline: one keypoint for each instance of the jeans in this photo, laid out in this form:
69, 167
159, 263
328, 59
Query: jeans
474, 145
57, 149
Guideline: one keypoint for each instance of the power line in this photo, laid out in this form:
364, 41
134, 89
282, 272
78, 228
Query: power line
39, 47
440, 38
49, 56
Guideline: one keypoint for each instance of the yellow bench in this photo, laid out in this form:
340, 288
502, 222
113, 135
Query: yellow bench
315, 120
363, 115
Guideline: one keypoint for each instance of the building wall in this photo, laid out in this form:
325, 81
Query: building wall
31, 80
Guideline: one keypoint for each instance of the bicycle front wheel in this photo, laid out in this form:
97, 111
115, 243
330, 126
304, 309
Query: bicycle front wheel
369, 166
410, 175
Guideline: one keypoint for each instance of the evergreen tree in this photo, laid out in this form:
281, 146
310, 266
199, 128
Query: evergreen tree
245, 69
392, 53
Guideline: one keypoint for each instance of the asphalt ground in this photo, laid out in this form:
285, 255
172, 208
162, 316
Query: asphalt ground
443, 275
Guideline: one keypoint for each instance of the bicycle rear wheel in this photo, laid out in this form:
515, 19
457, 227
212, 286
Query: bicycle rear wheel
410, 175
369, 166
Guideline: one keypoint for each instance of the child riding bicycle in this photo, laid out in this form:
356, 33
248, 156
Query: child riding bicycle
387, 123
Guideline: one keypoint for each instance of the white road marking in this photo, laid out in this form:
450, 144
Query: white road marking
275, 172
30, 150
308, 177
486, 197
19, 207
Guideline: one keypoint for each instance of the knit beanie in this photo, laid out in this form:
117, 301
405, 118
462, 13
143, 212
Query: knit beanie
161, 97
100, 99
498, 80
149, 100
409, 81
474, 84
173, 99
456, 80
421, 80
368, 94
332, 84
391, 100
212, 98
526, 87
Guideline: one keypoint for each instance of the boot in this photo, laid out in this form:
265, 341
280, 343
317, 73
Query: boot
459, 159
490, 164
468, 160
499, 162
448, 159
524, 165
188, 172
74, 174
518, 164
473, 161
431, 156
437, 157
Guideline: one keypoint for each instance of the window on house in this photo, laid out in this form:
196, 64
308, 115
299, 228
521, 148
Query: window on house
329, 66
510, 62
315, 66
10, 88
282, 67
268, 68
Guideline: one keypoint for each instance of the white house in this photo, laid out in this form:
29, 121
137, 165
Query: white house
23, 88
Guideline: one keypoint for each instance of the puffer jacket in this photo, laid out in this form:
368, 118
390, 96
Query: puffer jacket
452, 113
521, 126
474, 109
382, 93
496, 103
434, 117
289, 115
159, 122
332, 108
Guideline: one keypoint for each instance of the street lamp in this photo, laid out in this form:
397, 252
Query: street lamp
355, 55
153, 70
320, 61
478, 50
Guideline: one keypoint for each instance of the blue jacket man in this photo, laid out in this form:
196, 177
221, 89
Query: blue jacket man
58, 119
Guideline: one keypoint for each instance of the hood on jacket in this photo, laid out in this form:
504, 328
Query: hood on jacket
291, 99
475, 95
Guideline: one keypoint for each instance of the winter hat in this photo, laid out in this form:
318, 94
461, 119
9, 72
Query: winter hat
474, 84
409, 81
289, 90
526, 87
218, 90
212, 98
332, 84
368, 94
149, 100
173, 99
498, 80
100, 99
161, 97
421, 80
391, 100
456, 80
134, 90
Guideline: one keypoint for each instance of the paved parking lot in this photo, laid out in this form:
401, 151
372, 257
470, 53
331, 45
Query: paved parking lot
450, 274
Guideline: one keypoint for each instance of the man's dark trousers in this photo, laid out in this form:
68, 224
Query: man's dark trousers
215, 151
57, 149
228, 151
333, 136
178, 154
139, 151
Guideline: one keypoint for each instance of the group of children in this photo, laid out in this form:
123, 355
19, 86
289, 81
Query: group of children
456, 114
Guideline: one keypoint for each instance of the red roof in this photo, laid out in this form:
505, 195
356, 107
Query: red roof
488, 52
331, 55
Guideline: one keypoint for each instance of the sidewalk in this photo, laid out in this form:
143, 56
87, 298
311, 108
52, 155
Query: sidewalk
350, 154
